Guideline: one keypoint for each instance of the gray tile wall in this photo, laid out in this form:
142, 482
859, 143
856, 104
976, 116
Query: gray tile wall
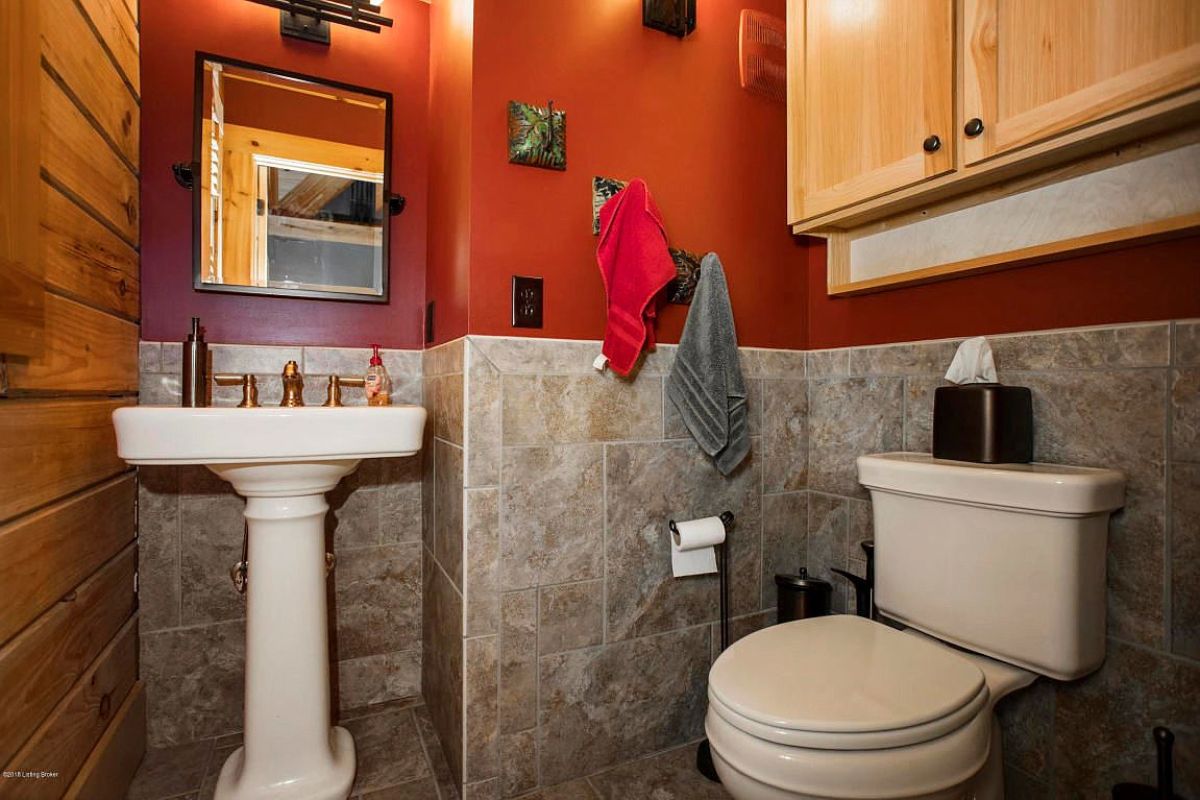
554, 641
600, 655
443, 551
190, 534
580, 650
1123, 397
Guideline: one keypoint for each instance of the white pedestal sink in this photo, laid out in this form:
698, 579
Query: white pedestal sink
282, 460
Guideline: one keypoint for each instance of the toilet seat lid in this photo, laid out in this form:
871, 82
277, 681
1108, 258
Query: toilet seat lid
842, 674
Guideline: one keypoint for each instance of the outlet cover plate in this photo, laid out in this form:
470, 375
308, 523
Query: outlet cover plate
526, 302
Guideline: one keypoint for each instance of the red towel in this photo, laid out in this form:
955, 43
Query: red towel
635, 265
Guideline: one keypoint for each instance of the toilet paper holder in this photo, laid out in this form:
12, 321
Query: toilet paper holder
704, 760
726, 518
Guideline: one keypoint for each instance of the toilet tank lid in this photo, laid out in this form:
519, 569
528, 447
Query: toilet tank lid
1050, 488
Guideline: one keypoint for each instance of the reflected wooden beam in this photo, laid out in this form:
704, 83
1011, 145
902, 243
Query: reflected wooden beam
319, 230
310, 195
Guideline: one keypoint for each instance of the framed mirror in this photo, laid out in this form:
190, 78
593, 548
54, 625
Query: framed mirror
290, 184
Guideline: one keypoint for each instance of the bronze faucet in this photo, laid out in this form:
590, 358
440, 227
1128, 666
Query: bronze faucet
293, 386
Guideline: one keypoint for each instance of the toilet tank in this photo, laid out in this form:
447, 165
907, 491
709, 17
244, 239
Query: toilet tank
1005, 560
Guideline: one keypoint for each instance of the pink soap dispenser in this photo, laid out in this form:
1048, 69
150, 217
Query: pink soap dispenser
377, 382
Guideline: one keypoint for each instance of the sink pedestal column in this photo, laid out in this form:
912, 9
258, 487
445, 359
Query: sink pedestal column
289, 748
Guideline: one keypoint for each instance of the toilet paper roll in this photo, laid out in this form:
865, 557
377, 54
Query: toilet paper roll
693, 546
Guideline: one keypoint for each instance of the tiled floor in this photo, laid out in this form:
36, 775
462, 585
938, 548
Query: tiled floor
399, 758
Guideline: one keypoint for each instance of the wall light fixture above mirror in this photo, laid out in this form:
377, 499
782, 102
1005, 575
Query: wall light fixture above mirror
291, 177
309, 19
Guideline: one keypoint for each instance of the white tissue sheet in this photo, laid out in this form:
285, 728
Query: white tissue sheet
693, 548
973, 363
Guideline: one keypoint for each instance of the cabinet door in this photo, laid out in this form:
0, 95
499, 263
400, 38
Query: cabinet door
870, 82
1036, 68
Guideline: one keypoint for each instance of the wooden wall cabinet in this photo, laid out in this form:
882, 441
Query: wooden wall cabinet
1033, 69
875, 82
1015, 90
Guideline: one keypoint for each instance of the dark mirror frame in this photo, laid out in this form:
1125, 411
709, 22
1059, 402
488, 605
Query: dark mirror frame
197, 134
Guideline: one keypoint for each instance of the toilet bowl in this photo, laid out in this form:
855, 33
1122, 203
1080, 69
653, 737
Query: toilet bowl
996, 572
843, 707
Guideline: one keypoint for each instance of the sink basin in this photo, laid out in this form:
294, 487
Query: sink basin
173, 435
282, 460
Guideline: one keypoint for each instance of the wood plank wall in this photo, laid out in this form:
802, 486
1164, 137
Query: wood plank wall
70, 699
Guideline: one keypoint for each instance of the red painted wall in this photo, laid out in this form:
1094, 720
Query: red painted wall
639, 103
447, 274
1150, 282
396, 60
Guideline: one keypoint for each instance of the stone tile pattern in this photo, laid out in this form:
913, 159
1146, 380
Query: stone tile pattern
397, 752
570, 476
190, 534
399, 758
1126, 397
444, 531
582, 689
555, 569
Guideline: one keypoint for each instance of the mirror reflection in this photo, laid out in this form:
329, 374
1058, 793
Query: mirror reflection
291, 184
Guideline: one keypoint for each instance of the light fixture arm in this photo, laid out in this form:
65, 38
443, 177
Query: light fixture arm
309, 19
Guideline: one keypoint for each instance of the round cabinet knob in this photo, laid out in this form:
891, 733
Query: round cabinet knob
932, 144
974, 127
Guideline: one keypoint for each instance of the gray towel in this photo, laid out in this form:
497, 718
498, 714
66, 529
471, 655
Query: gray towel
706, 383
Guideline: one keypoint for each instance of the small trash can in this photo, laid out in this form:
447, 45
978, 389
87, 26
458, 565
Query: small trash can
801, 596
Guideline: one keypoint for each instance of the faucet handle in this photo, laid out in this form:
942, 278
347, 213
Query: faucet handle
249, 387
333, 394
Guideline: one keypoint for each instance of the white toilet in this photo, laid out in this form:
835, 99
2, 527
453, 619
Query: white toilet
998, 574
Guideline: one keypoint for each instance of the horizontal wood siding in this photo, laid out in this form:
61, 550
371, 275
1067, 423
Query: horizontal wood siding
20, 141
77, 157
47, 553
68, 735
42, 663
117, 29
86, 350
49, 449
85, 260
90, 75
110, 768
69, 308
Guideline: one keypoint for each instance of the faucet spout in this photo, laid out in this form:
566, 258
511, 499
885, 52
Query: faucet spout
293, 386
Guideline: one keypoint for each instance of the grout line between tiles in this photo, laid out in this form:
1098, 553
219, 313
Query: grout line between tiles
1169, 498
437, 786
1176, 657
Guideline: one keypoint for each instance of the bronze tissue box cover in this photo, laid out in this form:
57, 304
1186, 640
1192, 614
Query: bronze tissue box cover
987, 423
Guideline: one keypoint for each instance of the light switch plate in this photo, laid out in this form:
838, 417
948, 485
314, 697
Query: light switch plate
526, 302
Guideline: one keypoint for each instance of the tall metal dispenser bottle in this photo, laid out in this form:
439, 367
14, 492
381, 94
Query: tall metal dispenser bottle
197, 390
